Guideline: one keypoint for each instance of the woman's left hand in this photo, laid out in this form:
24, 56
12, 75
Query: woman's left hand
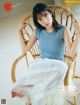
76, 25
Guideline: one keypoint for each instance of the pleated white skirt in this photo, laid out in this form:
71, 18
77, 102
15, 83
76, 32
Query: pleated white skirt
43, 79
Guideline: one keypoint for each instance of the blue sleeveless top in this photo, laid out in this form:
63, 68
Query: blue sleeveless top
51, 44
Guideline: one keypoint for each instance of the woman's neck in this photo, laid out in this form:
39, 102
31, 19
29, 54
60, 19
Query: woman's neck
49, 29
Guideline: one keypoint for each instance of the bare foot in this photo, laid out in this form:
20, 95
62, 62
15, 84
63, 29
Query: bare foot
14, 94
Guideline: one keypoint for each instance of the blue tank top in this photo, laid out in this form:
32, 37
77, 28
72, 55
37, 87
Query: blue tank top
51, 44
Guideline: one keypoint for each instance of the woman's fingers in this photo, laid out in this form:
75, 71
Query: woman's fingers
76, 25
22, 25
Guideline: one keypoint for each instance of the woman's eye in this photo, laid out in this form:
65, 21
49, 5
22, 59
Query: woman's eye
45, 14
40, 19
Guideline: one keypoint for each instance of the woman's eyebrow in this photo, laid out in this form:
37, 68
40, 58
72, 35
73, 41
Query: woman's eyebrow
39, 16
42, 14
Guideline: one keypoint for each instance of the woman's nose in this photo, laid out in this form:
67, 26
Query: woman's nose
45, 20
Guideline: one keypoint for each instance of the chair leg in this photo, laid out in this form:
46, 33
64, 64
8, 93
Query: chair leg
75, 100
74, 72
28, 103
69, 102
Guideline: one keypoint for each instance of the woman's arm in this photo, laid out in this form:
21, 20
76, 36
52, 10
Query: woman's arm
72, 46
26, 46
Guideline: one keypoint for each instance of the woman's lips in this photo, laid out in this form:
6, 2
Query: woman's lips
47, 24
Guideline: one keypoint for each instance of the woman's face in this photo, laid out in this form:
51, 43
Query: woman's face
45, 19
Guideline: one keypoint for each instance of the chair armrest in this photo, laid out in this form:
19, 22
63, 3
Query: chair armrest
14, 67
71, 58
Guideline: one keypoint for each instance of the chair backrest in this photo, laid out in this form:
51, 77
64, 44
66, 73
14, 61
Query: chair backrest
64, 17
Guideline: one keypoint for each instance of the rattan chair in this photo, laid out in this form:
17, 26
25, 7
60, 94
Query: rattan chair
64, 17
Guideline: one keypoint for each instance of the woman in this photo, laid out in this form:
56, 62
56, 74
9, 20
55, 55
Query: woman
46, 73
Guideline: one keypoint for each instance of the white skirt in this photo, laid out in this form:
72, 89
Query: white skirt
43, 79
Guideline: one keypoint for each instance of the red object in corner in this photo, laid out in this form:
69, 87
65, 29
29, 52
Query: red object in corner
8, 6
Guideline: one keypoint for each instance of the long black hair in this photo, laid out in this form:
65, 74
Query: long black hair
39, 8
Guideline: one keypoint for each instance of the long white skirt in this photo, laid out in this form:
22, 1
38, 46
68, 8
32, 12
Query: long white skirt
43, 79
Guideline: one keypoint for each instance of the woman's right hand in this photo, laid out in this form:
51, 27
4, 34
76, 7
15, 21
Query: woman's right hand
22, 25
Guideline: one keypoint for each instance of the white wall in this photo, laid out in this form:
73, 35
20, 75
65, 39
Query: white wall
10, 50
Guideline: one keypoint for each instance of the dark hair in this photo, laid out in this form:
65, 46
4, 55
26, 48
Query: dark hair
39, 8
